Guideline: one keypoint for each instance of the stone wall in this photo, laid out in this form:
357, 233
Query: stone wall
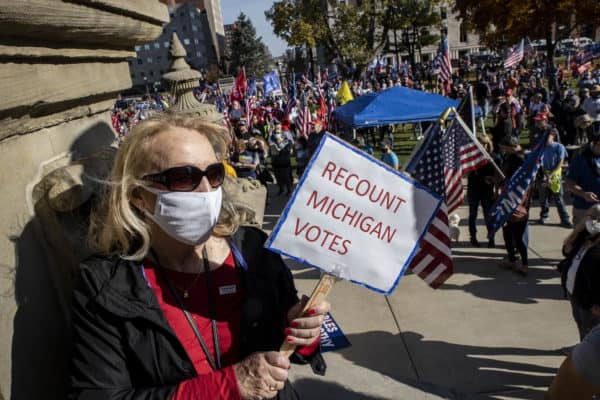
62, 64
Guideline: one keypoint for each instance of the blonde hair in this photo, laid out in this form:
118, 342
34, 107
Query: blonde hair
116, 226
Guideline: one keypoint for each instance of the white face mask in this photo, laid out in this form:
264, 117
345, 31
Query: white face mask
188, 217
592, 226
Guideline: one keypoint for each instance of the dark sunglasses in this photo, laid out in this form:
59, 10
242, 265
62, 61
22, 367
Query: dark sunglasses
188, 177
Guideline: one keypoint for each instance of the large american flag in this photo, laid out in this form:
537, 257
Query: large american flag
442, 61
514, 57
439, 164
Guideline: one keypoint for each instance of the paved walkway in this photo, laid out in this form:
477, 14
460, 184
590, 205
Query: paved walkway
486, 334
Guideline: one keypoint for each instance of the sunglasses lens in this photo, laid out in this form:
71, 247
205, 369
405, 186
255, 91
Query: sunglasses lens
179, 179
215, 173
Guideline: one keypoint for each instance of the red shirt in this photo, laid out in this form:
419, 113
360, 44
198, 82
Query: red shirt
228, 296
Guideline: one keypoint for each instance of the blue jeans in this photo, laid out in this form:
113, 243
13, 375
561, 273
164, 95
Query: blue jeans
475, 199
547, 194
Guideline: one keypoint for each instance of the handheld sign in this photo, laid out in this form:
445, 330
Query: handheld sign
354, 217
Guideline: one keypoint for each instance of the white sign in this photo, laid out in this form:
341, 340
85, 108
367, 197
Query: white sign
354, 217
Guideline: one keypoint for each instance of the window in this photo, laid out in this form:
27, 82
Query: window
194, 28
188, 55
195, 40
166, 44
151, 73
186, 41
158, 58
184, 28
198, 54
162, 71
138, 48
146, 47
463, 34
157, 45
132, 76
181, 14
149, 60
171, 15
140, 61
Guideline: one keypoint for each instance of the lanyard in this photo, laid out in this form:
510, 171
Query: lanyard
211, 305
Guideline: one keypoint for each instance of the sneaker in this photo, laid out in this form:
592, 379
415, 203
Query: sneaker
567, 224
541, 220
474, 242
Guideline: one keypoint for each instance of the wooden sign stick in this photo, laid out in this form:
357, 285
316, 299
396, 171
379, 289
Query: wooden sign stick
319, 294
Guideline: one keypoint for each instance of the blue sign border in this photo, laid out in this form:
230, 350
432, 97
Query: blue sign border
284, 215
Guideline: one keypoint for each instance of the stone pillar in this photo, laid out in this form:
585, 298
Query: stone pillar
62, 64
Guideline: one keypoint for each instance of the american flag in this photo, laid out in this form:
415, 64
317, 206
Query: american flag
461, 155
433, 260
439, 164
514, 57
442, 61
304, 118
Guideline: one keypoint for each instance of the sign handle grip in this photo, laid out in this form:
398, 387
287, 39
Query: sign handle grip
319, 294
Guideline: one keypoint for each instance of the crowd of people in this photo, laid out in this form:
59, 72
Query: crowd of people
270, 134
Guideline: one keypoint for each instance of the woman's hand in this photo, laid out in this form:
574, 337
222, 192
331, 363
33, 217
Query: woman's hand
306, 328
261, 375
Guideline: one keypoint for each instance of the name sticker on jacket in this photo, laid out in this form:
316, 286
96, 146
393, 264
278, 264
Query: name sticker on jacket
228, 289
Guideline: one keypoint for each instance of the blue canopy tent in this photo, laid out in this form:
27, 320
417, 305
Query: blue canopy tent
396, 105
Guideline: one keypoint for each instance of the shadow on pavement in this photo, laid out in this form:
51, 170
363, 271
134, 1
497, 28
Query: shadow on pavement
492, 282
454, 370
314, 389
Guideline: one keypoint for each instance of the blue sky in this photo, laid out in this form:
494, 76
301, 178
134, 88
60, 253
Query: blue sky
255, 10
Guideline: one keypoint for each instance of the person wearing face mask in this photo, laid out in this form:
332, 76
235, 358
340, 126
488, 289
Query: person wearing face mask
591, 106
180, 301
281, 152
583, 178
580, 273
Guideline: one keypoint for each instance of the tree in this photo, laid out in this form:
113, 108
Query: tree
414, 19
353, 35
247, 50
505, 22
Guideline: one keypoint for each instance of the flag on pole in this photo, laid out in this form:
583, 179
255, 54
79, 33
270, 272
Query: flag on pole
441, 62
271, 83
515, 189
440, 164
433, 260
344, 95
252, 91
515, 56
238, 91
304, 117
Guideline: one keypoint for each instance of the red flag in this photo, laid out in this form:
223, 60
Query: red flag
323, 109
238, 91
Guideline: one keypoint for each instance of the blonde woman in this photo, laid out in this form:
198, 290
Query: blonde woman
181, 302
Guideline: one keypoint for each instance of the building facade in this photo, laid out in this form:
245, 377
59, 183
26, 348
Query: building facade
195, 30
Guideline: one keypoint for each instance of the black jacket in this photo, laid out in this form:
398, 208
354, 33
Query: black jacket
123, 346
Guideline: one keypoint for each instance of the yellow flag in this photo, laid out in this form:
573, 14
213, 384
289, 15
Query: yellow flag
344, 95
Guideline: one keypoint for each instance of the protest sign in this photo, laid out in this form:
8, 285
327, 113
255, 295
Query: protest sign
354, 217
